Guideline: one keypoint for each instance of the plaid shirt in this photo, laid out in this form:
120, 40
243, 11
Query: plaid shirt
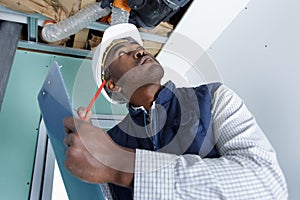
247, 169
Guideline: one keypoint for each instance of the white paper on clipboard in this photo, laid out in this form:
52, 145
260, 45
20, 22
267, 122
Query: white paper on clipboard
55, 105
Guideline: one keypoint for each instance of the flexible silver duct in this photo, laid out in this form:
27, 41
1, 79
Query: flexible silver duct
119, 16
73, 24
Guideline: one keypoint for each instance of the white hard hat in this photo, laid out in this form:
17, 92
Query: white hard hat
112, 33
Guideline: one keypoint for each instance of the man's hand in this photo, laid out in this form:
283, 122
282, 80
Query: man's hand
92, 155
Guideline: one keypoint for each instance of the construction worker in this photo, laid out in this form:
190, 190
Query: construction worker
175, 143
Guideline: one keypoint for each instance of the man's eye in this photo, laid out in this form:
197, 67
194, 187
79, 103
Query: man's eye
122, 53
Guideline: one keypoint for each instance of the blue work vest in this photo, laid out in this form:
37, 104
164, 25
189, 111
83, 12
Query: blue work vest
179, 122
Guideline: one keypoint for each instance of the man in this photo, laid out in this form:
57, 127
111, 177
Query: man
175, 143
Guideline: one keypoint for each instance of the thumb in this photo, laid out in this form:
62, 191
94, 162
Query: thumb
81, 111
83, 114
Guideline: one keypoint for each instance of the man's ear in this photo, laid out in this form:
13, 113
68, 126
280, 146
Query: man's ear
111, 85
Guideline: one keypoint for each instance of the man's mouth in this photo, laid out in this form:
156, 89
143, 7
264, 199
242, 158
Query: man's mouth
145, 59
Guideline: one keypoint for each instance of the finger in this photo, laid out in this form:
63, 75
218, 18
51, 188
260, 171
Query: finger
72, 140
72, 159
68, 140
69, 159
71, 125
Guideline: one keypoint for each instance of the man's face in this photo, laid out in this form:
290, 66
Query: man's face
132, 67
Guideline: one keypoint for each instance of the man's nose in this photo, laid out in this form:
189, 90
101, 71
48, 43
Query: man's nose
139, 53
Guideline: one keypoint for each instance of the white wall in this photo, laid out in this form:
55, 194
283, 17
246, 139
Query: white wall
258, 56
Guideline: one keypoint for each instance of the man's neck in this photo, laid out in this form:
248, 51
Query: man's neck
144, 96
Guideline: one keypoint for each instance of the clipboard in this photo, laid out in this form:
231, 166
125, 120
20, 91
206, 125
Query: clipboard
55, 104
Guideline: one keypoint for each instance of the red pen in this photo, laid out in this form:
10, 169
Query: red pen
95, 97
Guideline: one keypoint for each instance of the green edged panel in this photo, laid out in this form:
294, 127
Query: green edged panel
19, 117
19, 120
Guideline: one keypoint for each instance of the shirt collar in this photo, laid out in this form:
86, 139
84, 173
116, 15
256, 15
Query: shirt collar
167, 93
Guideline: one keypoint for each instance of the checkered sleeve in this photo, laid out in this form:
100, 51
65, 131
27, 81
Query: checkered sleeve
247, 168
106, 191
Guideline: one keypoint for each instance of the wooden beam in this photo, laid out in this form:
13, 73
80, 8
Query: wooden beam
56, 10
30, 6
81, 37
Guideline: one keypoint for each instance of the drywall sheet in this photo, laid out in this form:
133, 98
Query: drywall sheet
20, 113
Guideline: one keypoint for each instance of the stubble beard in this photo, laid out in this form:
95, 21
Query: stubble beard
140, 76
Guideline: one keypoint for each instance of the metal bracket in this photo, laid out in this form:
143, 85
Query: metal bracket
32, 26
